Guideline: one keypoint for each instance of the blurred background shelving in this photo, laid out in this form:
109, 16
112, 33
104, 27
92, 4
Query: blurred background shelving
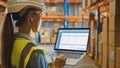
58, 14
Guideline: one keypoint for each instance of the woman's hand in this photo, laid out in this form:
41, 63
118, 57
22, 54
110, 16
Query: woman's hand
59, 62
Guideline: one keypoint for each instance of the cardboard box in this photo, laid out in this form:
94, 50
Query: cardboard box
87, 24
111, 64
111, 57
71, 24
45, 31
105, 37
105, 59
117, 65
59, 11
45, 35
105, 30
93, 33
100, 60
45, 40
51, 11
93, 28
72, 10
54, 35
105, 24
100, 51
102, 36
114, 7
57, 25
78, 24
55, 30
93, 47
114, 38
53, 40
114, 23
118, 56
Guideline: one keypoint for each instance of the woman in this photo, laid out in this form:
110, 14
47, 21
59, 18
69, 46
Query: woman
19, 48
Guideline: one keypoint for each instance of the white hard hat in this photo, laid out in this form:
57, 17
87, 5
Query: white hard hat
17, 5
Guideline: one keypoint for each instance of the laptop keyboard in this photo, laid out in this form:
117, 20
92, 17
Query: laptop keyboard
73, 55
67, 54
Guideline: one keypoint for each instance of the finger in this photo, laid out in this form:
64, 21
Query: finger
62, 56
52, 59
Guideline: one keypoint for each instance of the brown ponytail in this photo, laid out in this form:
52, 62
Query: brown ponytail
7, 42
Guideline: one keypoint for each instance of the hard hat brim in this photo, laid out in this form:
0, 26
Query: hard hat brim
19, 6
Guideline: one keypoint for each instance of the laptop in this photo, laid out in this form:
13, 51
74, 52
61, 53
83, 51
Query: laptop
73, 43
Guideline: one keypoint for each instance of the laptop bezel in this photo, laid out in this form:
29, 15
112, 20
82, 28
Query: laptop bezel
72, 29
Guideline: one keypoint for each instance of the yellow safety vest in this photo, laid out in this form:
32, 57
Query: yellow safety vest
18, 48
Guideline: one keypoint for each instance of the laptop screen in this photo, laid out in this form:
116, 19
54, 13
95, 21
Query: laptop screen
75, 39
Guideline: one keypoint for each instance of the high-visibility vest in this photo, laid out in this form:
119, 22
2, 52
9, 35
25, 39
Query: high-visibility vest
22, 50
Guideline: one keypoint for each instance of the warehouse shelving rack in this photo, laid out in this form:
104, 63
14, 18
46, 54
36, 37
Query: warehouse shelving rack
66, 16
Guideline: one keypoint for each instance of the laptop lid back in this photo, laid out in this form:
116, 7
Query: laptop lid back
72, 39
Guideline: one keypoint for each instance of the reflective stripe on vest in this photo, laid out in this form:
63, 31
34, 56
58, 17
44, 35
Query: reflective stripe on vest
24, 53
18, 48
30, 53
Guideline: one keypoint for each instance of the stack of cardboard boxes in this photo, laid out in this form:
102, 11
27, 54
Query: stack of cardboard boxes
54, 34
55, 31
114, 34
51, 10
54, 9
45, 35
100, 50
60, 10
93, 38
92, 42
109, 43
104, 44
118, 57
